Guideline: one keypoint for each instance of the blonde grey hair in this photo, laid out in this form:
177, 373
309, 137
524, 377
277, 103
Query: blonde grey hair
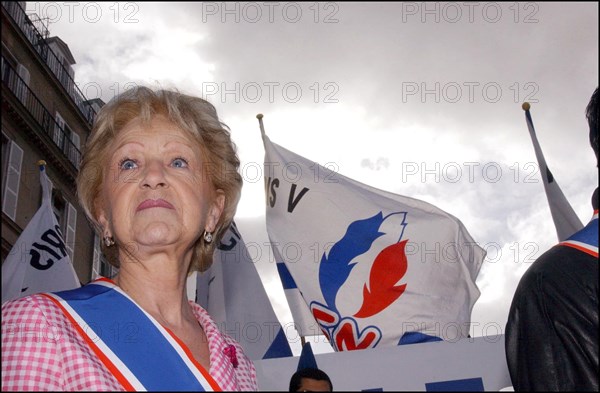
193, 115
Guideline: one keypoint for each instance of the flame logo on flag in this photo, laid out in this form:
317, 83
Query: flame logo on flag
388, 267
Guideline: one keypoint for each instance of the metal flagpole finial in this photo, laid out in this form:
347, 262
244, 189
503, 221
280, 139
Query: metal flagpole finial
526, 106
260, 123
41, 164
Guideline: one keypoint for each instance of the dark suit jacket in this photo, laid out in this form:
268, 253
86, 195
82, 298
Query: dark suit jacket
552, 330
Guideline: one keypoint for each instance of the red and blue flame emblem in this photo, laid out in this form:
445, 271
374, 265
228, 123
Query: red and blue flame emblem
382, 289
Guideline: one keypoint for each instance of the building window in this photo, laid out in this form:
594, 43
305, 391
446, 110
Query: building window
22, 81
66, 139
72, 147
9, 62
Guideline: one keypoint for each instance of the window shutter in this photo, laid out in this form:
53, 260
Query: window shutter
96, 261
59, 133
71, 227
75, 155
22, 91
76, 140
70, 79
13, 178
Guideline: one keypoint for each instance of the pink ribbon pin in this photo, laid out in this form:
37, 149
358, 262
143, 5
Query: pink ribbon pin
231, 353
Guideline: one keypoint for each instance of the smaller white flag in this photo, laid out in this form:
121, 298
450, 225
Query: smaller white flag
304, 322
565, 218
234, 296
39, 262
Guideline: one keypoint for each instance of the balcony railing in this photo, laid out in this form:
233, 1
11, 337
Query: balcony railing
45, 121
48, 56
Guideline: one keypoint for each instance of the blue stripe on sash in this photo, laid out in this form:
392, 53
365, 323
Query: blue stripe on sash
588, 235
134, 339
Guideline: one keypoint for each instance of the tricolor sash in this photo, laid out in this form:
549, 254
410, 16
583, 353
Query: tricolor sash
585, 240
141, 353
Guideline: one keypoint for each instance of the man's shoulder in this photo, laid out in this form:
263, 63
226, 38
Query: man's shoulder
562, 257
559, 265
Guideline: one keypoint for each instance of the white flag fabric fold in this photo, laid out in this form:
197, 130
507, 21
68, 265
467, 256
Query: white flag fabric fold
564, 217
374, 268
304, 322
39, 262
233, 294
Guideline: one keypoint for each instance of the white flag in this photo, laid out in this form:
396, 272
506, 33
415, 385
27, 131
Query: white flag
375, 268
38, 262
234, 296
565, 218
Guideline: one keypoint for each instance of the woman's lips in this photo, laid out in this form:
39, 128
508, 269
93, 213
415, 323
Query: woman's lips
150, 203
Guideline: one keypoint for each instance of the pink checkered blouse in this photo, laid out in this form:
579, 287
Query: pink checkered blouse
42, 351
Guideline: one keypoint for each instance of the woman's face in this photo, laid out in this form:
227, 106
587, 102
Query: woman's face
155, 194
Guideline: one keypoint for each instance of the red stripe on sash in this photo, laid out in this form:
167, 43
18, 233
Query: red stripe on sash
108, 280
200, 368
578, 247
105, 360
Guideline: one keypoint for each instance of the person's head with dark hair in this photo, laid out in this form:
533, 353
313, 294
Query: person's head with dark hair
310, 380
591, 112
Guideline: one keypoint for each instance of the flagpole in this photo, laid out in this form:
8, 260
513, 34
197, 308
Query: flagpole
566, 221
261, 125
46, 189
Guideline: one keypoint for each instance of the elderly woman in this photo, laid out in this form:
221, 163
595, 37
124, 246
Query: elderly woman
159, 183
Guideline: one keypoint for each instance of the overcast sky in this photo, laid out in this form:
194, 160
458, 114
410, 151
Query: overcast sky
418, 99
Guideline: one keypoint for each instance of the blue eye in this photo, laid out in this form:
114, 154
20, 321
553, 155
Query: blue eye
127, 164
179, 163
